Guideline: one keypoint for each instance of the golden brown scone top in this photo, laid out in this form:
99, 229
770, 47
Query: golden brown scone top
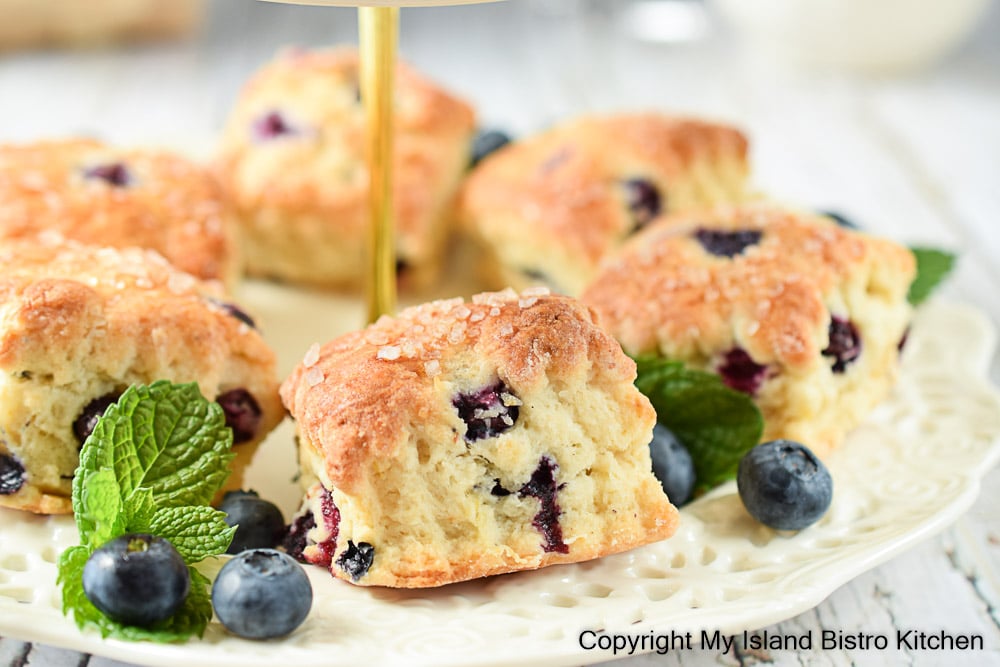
664, 292
354, 396
96, 194
566, 183
57, 295
318, 163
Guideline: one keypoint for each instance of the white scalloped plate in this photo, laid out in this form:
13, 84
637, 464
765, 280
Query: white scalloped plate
908, 472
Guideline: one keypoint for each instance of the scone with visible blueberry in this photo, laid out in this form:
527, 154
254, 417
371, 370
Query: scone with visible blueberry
547, 209
293, 161
460, 440
805, 316
80, 324
98, 194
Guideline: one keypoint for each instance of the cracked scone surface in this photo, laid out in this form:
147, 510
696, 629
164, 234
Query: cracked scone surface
548, 208
293, 161
460, 440
805, 316
108, 196
79, 324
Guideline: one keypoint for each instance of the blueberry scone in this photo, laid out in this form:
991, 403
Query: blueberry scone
80, 324
461, 440
293, 161
97, 194
805, 316
547, 209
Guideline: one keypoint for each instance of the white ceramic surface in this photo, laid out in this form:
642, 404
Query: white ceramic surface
908, 472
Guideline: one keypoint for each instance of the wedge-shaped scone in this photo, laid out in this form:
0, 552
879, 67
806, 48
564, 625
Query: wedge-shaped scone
805, 316
547, 209
293, 161
461, 440
79, 324
107, 196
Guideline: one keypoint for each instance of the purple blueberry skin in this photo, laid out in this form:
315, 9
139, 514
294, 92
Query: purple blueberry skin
262, 594
357, 559
784, 485
272, 125
727, 243
487, 398
740, 372
84, 424
242, 414
542, 486
137, 579
845, 343
114, 174
644, 201
12, 475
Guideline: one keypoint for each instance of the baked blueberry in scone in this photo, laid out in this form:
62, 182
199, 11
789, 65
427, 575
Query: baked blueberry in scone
98, 194
460, 440
293, 162
547, 209
800, 313
80, 324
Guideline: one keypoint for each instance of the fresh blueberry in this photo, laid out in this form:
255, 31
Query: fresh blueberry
783, 485
542, 486
845, 343
486, 142
242, 414
114, 174
486, 412
727, 244
740, 372
261, 594
644, 201
12, 475
84, 424
259, 522
846, 223
357, 559
672, 465
136, 579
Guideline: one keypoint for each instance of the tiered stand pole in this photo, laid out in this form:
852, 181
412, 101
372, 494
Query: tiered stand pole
379, 34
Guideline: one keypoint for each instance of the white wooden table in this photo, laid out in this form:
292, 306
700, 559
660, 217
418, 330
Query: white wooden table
916, 158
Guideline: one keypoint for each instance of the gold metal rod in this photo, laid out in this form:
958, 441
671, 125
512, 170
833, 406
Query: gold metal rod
379, 32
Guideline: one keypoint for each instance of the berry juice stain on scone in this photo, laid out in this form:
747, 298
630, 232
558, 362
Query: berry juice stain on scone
273, 125
115, 174
461, 440
740, 372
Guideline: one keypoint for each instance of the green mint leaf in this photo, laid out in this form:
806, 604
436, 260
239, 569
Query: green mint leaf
102, 504
191, 619
139, 509
718, 425
933, 266
168, 438
196, 532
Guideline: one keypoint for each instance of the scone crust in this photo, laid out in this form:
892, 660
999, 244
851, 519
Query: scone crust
663, 293
358, 400
170, 204
555, 202
303, 198
77, 322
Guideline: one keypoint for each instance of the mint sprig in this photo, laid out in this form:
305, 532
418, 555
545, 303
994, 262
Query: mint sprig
717, 425
152, 464
933, 266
